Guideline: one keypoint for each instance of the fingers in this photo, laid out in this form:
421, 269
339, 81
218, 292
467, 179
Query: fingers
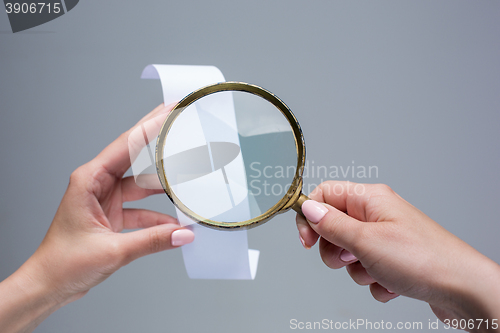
359, 274
157, 110
333, 256
346, 196
145, 132
381, 294
139, 243
342, 213
308, 237
132, 192
143, 218
333, 225
334, 193
115, 158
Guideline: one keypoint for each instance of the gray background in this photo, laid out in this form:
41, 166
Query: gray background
411, 87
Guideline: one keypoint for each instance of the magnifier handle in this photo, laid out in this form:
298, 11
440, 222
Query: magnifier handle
298, 204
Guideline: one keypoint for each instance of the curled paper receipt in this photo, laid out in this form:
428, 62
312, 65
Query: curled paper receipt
214, 254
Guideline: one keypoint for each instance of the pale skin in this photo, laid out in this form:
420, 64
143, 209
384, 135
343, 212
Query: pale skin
397, 250
83, 245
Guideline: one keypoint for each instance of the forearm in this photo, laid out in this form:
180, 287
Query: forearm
25, 300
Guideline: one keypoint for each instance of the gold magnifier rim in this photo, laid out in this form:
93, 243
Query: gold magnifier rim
283, 204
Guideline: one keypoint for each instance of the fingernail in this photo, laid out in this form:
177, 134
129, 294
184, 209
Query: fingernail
181, 237
167, 108
390, 292
347, 256
304, 243
314, 211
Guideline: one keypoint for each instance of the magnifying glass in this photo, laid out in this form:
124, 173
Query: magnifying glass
231, 156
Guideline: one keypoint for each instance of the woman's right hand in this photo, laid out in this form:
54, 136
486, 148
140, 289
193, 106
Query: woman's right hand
387, 243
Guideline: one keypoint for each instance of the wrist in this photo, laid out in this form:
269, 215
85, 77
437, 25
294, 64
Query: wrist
476, 295
27, 299
485, 291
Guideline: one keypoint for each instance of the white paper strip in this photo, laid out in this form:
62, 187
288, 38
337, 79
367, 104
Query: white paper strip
213, 254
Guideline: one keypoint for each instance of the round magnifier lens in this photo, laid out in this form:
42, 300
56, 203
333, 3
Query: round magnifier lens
231, 155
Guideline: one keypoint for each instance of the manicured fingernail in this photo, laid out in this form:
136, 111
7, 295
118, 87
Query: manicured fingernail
304, 243
390, 292
347, 256
181, 237
168, 107
314, 211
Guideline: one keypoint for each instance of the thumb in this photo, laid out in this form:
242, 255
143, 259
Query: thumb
333, 225
154, 239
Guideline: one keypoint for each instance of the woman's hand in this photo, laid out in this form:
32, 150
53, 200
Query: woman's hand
390, 245
83, 245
